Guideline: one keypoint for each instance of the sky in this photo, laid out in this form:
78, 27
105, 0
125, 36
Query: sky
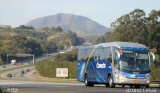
104, 12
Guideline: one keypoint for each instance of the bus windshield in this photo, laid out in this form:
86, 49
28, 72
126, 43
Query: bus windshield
135, 62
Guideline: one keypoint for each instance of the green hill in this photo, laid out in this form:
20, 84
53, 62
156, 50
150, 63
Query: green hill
26, 39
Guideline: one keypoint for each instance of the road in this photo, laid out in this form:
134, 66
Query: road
33, 87
9, 66
17, 73
27, 62
26, 75
23, 73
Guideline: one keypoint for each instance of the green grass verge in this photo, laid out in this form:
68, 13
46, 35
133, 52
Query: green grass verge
38, 77
154, 85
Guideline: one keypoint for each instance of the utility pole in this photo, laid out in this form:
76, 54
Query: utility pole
7, 58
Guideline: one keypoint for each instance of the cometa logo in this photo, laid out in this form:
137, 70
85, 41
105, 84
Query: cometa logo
103, 65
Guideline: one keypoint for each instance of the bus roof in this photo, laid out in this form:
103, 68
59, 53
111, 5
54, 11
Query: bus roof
121, 45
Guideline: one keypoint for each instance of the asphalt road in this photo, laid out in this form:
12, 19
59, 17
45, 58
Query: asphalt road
9, 66
70, 88
27, 62
20, 73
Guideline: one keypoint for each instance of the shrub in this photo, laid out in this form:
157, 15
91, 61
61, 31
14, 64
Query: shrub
1, 63
155, 73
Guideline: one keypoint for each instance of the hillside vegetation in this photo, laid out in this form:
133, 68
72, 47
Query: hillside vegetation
26, 39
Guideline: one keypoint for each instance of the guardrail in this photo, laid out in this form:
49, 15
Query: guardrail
155, 82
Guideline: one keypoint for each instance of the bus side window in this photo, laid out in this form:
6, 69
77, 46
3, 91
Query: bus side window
92, 58
110, 58
115, 57
96, 53
116, 61
99, 57
102, 54
108, 54
95, 57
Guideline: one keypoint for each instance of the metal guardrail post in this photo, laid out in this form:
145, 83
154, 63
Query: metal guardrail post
33, 59
7, 58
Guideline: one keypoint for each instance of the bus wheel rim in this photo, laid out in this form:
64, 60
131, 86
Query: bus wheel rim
110, 81
86, 80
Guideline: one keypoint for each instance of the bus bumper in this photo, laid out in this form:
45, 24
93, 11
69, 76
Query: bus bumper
141, 81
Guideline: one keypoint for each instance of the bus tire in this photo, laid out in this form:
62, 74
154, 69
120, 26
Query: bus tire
87, 83
111, 84
137, 86
147, 86
107, 84
131, 86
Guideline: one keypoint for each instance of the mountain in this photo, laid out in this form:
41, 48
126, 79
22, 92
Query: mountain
79, 24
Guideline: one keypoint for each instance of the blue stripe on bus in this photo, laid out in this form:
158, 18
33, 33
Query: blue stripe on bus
133, 48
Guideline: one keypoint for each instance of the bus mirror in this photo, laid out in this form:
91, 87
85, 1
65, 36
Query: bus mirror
118, 55
153, 57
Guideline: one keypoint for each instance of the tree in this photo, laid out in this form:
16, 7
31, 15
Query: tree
107, 37
100, 40
25, 27
26, 39
51, 47
75, 40
59, 29
35, 47
131, 27
136, 27
154, 28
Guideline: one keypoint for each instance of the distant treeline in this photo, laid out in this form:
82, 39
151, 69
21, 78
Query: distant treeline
26, 39
138, 27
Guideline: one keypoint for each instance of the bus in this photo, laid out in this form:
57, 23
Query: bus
115, 63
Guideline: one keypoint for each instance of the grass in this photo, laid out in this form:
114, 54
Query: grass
154, 85
54, 80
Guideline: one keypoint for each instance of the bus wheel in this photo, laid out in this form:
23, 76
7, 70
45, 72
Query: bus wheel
87, 83
137, 86
123, 86
111, 84
131, 86
147, 86
107, 84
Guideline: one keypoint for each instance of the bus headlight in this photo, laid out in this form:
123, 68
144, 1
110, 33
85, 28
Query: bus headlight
123, 75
